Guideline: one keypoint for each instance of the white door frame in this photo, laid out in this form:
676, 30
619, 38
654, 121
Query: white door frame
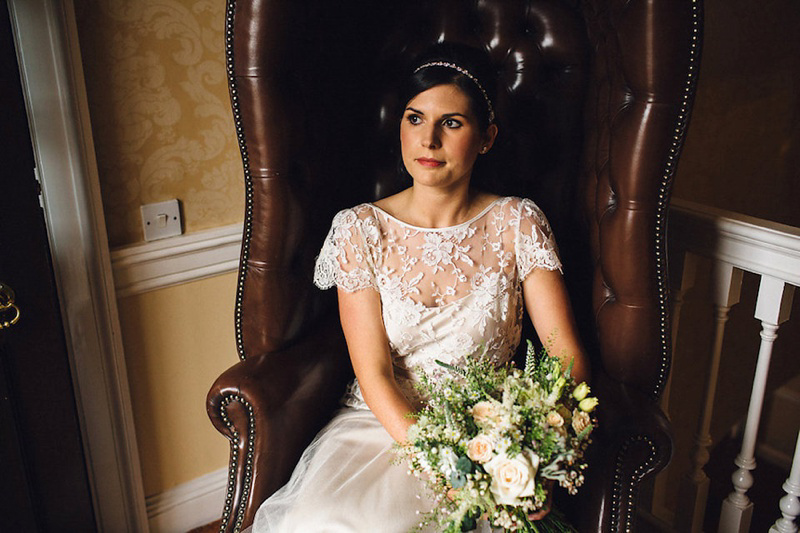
53, 86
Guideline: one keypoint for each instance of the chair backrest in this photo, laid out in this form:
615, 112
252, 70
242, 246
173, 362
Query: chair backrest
594, 101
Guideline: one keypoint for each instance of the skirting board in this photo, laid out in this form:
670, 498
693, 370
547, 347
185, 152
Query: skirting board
190, 505
163, 263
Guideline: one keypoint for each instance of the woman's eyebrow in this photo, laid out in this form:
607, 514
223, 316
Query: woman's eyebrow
445, 115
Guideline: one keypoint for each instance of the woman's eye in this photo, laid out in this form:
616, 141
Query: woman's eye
451, 123
414, 119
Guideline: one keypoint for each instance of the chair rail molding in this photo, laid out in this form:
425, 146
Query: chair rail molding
52, 78
155, 265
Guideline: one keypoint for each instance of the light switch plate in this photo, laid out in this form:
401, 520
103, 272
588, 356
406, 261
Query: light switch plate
161, 220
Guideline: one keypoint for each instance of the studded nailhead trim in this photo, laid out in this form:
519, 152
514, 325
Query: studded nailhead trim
248, 226
678, 137
248, 179
235, 440
622, 518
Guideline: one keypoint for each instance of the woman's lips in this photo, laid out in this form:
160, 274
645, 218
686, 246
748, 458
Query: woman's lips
425, 162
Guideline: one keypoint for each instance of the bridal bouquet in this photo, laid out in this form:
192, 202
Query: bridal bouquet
491, 440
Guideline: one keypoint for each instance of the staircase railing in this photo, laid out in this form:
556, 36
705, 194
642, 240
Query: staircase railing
733, 244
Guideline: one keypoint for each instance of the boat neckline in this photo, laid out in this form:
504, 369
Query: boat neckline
443, 228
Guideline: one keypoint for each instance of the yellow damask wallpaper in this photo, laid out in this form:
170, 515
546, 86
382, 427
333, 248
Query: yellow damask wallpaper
160, 112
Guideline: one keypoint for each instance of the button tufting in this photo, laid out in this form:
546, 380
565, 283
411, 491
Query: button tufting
628, 98
612, 202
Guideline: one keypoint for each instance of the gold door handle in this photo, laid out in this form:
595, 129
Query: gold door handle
9, 312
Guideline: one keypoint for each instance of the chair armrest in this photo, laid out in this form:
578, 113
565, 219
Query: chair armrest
633, 441
270, 407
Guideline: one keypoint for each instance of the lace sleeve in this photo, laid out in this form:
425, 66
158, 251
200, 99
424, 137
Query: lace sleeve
345, 260
535, 244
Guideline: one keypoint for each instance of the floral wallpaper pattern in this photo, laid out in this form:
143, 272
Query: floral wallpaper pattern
160, 111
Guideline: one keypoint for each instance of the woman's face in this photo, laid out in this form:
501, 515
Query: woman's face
440, 137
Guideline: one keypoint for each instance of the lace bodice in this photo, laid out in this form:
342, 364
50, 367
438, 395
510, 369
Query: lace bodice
446, 293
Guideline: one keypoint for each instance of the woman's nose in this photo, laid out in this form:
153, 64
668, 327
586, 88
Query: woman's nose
430, 137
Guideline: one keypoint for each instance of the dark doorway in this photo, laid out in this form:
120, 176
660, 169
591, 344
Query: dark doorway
43, 478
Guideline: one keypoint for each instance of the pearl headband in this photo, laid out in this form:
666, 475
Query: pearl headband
466, 73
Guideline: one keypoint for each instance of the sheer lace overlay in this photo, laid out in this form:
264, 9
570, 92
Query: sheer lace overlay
446, 293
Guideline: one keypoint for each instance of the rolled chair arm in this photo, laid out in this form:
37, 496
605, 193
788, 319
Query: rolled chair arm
632, 442
270, 407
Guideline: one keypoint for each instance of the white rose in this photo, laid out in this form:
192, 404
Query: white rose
480, 449
513, 478
580, 420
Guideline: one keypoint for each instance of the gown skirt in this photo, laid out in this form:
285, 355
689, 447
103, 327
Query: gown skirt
348, 480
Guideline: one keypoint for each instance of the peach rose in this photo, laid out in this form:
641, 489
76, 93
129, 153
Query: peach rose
480, 449
580, 420
484, 412
554, 419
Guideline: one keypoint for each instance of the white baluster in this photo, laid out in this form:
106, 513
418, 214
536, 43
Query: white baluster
772, 309
727, 285
790, 504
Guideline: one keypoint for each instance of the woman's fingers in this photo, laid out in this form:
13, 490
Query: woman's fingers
545, 510
538, 515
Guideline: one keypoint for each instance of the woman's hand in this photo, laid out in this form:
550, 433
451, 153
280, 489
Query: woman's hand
538, 515
545, 510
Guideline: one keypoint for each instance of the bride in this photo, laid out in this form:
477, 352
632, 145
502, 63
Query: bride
441, 271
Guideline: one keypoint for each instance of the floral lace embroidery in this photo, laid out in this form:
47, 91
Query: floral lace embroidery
446, 293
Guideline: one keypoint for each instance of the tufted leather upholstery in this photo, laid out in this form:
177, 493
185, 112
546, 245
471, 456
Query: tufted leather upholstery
594, 101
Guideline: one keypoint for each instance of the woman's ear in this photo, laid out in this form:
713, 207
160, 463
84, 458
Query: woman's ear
489, 137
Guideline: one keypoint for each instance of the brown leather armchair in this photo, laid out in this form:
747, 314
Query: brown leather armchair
595, 98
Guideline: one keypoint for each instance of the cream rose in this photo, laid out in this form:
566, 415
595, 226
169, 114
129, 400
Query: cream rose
554, 419
580, 420
484, 412
512, 477
480, 449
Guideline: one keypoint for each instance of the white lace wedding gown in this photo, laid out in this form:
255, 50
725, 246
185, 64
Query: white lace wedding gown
446, 293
